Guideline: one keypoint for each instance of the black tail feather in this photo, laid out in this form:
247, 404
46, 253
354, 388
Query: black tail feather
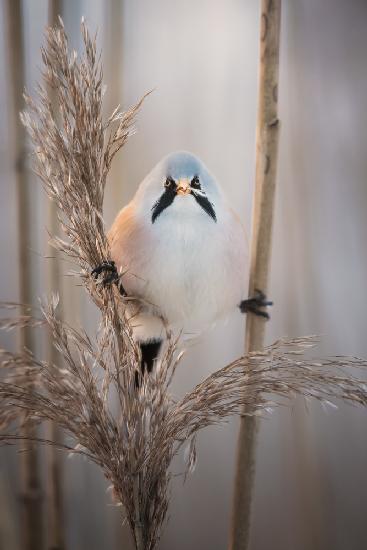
149, 353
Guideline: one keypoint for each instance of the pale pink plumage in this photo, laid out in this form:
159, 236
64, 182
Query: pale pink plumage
186, 268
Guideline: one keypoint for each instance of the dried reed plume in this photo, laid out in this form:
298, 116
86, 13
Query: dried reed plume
135, 440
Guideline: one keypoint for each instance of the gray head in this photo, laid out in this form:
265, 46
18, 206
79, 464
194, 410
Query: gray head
177, 175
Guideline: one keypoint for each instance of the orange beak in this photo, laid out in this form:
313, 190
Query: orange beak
183, 187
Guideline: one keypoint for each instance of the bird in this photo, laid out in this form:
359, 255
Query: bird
179, 250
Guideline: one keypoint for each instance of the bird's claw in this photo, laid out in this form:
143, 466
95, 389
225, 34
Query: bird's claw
108, 267
253, 304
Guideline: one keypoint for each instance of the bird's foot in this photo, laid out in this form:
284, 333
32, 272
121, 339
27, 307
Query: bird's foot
109, 270
110, 274
254, 304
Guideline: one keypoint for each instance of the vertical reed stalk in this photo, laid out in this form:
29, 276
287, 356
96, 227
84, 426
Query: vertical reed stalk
113, 49
29, 459
54, 480
9, 527
138, 527
113, 41
266, 162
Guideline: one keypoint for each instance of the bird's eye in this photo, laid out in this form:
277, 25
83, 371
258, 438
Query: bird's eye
195, 182
169, 182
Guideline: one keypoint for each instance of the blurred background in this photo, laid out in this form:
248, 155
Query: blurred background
201, 58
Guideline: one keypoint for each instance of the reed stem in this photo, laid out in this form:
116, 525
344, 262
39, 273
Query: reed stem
54, 480
30, 492
138, 524
266, 163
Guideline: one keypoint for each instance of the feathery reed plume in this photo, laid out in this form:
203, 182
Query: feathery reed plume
54, 487
135, 440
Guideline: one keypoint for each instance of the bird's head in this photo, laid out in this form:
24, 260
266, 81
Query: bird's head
179, 183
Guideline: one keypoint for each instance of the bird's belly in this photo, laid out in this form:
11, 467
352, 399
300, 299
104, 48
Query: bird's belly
192, 280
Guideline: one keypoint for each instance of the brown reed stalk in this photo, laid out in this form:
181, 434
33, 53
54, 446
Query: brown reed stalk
134, 441
55, 537
9, 529
30, 491
266, 164
113, 48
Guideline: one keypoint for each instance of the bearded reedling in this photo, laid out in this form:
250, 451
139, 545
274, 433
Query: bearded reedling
180, 250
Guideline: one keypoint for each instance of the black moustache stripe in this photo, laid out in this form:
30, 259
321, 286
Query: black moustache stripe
163, 202
167, 198
205, 204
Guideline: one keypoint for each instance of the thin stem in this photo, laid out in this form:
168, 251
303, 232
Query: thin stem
138, 524
31, 495
266, 164
54, 491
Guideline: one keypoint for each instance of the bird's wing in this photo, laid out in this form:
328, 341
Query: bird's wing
123, 232
131, 248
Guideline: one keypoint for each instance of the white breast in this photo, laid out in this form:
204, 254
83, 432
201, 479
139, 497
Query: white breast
190, 267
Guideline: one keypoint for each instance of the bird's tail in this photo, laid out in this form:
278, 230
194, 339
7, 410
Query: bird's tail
149, 353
